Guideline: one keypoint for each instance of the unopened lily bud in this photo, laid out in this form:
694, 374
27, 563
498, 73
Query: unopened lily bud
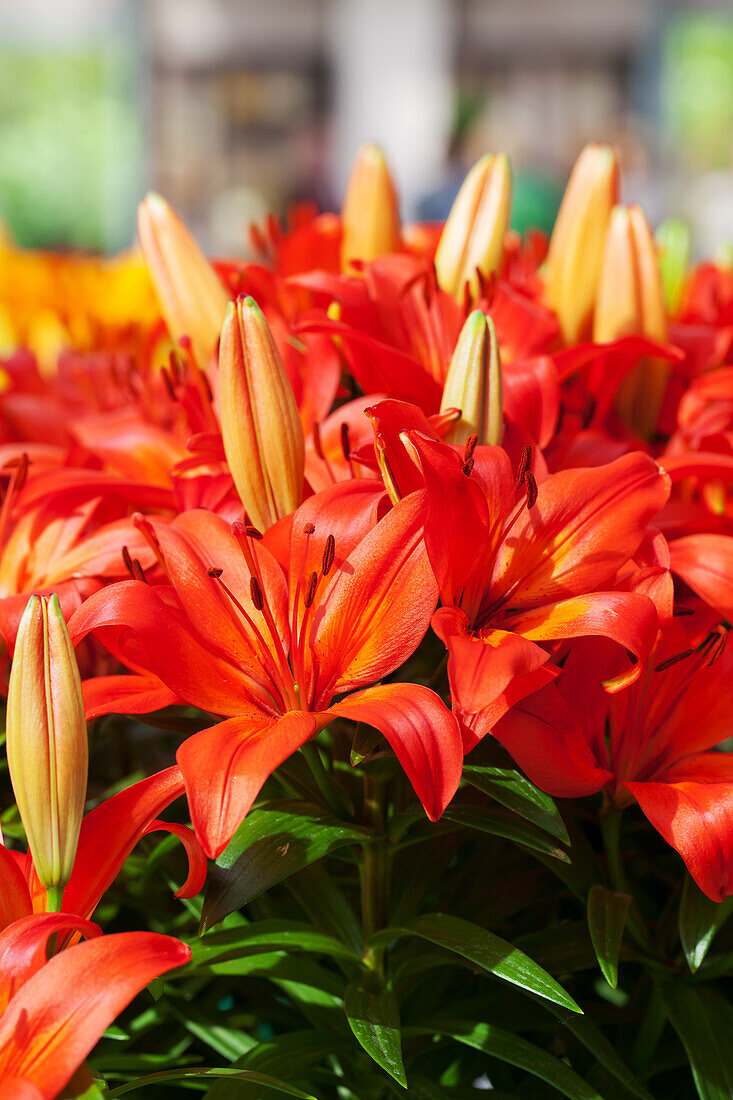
472, 240
260, 424
575, 254
673, 241
46, 740
370, 213
473, 383
192, 299
630, 302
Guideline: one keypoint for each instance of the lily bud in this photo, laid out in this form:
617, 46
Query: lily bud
472, 240
575, 254
370, 213
46, 740
192, 299
630, 301
260, 424
473, 383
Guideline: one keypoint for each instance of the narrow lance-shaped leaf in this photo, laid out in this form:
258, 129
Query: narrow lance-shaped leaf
699, 920
704, 1023
485, 950
375, 1021
607, 911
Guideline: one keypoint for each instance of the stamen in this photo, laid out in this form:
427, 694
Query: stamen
525, 463
470, 447
256, 593
329, 552
309, 529
318, 448
22, 472
664, 665
467, 467
127, 559
168, 384
680, 610
311, 589
531, 490
146, 530
137, 571
345, 441
213, 572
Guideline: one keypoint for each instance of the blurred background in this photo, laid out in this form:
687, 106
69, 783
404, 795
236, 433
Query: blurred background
232, 108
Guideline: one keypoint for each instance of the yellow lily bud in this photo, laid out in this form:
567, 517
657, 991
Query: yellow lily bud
630, 301
370, 213
472, 240
473, 383
260, 424
46, 740
192, 299
576, 247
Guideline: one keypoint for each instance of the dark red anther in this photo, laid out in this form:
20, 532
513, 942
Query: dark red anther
310, 589
525, 463
128, 561
467, 467
470, 447
256, 593
137, 571
168, 382
309, 529
212, 571
329, 551
345, 441
679, 610
22, 473
245, 530
675, 659
317, 445
531, 489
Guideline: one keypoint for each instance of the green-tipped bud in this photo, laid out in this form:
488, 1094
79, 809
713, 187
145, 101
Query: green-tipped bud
673, 242
472, 241
473, 383
46, 742
260, 423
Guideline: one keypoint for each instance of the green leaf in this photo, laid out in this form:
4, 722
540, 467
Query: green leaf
500, 823
593, 1039
82, 1086
607, 911
673, 238
200, 1074
267, 935
699, 920
704, 1023
374, 1018
513, 790
275, 840
518, 1052
485, 950
288, 1056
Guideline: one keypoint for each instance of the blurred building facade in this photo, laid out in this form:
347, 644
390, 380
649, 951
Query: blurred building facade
234, 107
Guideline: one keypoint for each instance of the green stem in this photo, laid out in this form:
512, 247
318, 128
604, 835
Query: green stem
374, 873
323, 780
611, 831
54, 899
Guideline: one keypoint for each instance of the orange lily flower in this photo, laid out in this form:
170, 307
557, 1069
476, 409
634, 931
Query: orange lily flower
234, 635
653, 743
519, 564
53, 1012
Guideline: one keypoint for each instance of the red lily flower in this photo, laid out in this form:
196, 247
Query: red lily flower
53, 1012
650, 743
512, 575
234, 636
